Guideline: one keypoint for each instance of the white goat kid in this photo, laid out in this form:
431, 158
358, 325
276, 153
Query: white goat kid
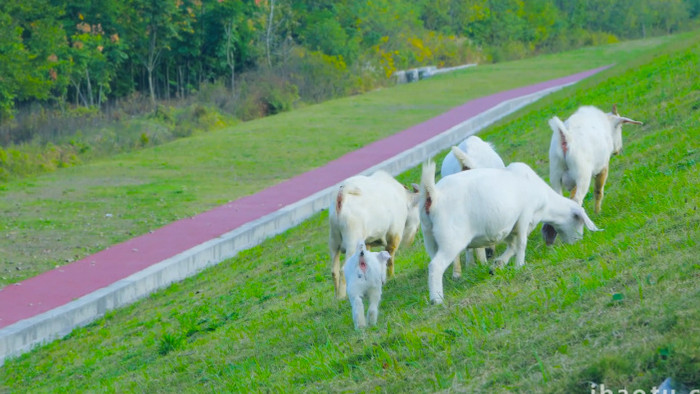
581, 148
471, 153
375, 209
462, 210
365, 273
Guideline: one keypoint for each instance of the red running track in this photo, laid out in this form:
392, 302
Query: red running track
62, 285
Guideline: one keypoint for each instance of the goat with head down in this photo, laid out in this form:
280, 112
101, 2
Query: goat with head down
462, 210
471, 153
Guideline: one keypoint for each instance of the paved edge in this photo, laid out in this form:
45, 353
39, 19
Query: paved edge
43, 328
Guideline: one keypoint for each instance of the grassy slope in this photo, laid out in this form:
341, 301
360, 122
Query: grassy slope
63, 216
619, 307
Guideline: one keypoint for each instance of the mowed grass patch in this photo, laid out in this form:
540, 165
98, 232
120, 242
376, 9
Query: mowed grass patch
618, 308
57, 218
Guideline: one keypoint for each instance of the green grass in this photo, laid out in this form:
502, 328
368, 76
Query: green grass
619, 307
57, 218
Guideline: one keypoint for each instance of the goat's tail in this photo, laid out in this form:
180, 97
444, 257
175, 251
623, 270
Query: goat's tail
558, 127
462, 158
343, 191
428, 193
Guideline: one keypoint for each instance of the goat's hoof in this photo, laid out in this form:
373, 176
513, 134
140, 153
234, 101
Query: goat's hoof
499, 264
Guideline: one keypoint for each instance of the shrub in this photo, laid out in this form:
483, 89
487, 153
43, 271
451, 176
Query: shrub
318, 76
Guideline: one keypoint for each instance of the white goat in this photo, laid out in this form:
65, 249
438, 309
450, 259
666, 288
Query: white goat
581, 148
463, 210
473, 152
476, 153
375, 209
365, 272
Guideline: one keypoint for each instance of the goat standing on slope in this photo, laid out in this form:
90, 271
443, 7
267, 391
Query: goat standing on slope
365, 272
581, 148
487, 205
375, 209
471, 153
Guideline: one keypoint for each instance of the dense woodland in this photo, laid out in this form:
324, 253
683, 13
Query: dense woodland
257, 57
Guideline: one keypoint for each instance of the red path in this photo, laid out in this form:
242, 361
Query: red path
62, 285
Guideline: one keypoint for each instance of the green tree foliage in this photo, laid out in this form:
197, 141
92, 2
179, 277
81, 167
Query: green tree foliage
13, 63
30, 38
84, 52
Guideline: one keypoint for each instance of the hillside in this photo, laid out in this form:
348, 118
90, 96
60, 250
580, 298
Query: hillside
618, 308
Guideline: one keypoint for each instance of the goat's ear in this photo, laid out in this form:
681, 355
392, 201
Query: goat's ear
580, 214
414, 199
631, 121
383, 256
549, 234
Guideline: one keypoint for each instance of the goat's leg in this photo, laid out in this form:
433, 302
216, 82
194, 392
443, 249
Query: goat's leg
358, 312
392, 244
572, 193
520, 243
373, 309
429, 240
581, 188
502, 260
511, 249
555, 174
436, 269
457, 265
338, 275
599, 186
480, 255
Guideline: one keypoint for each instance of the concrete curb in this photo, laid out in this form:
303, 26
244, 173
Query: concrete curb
24, 335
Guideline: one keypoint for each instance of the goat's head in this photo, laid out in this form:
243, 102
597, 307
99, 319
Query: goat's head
371, 263
570, 226
616, 122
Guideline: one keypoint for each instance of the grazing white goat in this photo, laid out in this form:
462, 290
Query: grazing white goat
365, 272
484, 206
581, 148
375, 209
473, 152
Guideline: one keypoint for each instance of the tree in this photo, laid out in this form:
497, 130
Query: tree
234, 30
268, 34
152, 27
13, 64
30, 38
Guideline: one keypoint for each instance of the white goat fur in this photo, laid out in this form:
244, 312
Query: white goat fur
463, 211
473, 152
365, 272
376, 209
478, 154
581, 148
